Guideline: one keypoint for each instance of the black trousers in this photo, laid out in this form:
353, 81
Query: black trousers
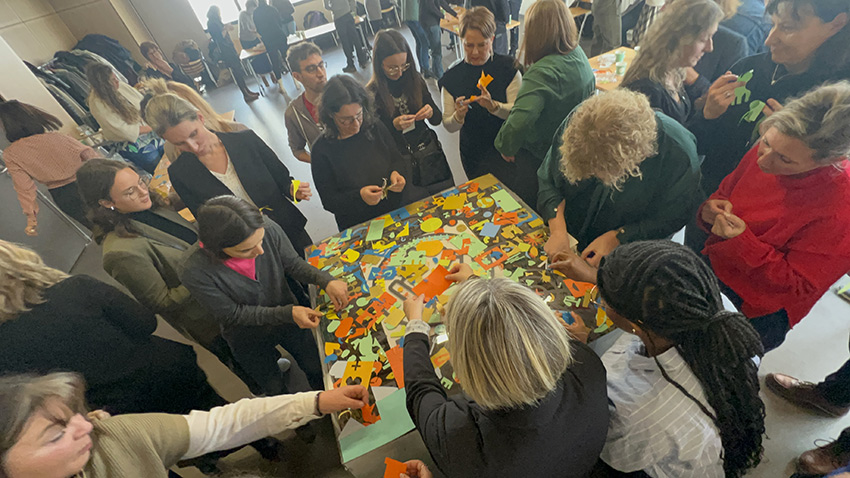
836, 387
350, 39
254, 348
772, 328
277, 53
68, 199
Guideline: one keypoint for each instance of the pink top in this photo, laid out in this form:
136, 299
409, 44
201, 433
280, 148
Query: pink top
49, 158
246, 267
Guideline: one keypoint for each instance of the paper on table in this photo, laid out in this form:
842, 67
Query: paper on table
454, 202
433, 285
396, 357
357, 373
376, 230
394, 423
505, 201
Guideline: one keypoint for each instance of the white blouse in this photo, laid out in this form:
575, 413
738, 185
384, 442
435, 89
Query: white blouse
654, 427
451, 123
231, 180
114, 127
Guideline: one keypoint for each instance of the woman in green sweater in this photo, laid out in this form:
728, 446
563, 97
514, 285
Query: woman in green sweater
559, 77
607, 188
45, 431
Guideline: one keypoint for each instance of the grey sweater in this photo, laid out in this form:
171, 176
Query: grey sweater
300, 127
236, 300
340, 8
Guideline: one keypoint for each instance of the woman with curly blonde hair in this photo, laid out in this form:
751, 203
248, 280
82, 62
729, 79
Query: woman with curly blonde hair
620, 172
677, 41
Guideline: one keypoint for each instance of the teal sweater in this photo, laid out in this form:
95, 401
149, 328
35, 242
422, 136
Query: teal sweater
550, 89
653, 206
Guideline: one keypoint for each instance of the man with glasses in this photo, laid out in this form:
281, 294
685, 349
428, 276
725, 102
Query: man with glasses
302, 117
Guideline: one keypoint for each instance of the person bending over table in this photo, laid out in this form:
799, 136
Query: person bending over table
605, 188
39, 152
682, 381
780, 223
51, 321
534, 401
559, 77
808, 46
239, 274
403, 103
302, 115
480, 119
49, 433
358, 169
673, 44
144, 246
213, 163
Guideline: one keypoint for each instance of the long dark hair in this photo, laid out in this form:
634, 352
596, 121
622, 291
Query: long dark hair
95, 179
225, 221
389, 43
833, 54
667, 289
343, 90
100, 78
21, 120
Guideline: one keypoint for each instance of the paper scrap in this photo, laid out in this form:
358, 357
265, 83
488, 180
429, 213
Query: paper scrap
430, 248
394, 469
357, 373
376, 230
505, 201
350, 255
440, 358
394, 317
431, 224
485, 80
454, 202
395, 356
490, 230
433, 285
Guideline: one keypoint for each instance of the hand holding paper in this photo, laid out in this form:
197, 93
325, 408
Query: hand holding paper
302, 191
728, 226
461, 108
714, 207
571, 265
600, 247
424, 113
337, 290
417, 469
371, 195
305, 317
403, 122
343, 398
459, 273
414, 306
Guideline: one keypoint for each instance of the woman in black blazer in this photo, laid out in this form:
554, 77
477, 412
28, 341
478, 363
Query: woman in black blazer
218, 164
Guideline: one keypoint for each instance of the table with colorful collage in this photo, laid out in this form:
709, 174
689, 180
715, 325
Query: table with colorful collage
407, 253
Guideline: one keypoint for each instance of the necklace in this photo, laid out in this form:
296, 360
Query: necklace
774, 79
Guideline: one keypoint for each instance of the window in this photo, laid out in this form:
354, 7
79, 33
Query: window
229, 9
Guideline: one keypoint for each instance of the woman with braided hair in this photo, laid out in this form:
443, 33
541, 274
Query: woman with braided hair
684, 392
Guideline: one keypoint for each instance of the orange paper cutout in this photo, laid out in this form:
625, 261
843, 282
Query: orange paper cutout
394, 468
396, 357
434, 285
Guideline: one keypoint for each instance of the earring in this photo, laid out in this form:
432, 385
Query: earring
111, 208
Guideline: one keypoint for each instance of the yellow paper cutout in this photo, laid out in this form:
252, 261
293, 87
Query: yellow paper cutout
295, 185
394, 317
330, 348
454, 202
350, 255
358, 370
431, 248
404, 232
431, 224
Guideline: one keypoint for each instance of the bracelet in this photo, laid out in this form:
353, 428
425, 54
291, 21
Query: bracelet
318, 412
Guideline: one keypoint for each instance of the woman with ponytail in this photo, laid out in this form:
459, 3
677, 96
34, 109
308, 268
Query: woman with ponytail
684, 391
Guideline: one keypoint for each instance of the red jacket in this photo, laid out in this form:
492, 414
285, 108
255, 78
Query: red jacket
797, 241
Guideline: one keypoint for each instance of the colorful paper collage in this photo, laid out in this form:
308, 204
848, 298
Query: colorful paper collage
479, 223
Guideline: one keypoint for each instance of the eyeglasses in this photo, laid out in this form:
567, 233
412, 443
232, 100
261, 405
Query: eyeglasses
349, 120
137, 191
314, 68
392, 70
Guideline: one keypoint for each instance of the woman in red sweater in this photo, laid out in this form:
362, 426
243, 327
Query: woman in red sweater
780, 222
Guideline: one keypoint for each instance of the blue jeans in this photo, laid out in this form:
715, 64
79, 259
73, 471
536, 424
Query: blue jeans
500, 43
434, 35
421, 40
514, 6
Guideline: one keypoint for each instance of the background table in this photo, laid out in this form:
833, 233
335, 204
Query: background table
408, 252
599, 72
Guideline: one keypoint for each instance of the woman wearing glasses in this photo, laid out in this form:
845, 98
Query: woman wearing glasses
145, 243
683, 387
358, 169
403, 103
239, 163
478, 113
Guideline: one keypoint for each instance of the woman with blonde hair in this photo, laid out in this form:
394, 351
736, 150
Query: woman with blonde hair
115, 106
675, 42
45, 430
559, 77
534, 402
617, 172
51, 321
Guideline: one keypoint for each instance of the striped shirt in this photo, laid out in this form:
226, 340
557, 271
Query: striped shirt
49, 158
654, 427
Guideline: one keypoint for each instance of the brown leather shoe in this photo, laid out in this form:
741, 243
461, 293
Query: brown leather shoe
803, 394
823, 459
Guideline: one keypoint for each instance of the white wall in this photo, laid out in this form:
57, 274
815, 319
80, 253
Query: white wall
33, 29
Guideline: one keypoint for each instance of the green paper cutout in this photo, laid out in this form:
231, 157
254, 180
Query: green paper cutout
754, 112
394, 422
742, 93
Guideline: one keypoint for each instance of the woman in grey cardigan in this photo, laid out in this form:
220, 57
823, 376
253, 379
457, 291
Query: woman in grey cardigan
240, 276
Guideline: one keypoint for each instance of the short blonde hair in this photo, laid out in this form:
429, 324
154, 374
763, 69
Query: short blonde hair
549, 30
165, 111
478, 18
23, 278
820, 119
506, 345
608, 136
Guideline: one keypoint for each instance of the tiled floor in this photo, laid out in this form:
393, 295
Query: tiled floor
816, 347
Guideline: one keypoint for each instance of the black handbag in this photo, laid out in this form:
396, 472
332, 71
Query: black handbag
428, 161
